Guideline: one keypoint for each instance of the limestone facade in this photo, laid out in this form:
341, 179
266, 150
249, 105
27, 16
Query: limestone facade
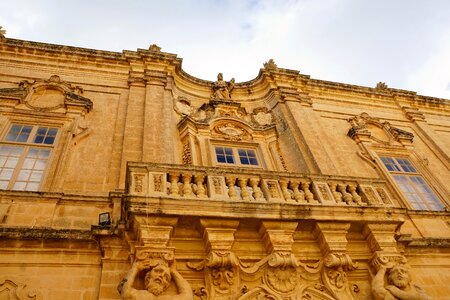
282, 187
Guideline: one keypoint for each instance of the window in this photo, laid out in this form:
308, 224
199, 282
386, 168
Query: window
416, 190
24, 154
236, 156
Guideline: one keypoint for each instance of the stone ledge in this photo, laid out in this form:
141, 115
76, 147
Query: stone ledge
44, 233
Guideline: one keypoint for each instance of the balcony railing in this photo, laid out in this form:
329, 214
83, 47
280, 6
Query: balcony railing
248, 185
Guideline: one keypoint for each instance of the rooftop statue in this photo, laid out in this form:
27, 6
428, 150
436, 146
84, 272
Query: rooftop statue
221, 88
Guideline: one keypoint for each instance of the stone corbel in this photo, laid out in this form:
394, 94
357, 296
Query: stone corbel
221, 265
381, 236
155, 232
337, 263
381, 240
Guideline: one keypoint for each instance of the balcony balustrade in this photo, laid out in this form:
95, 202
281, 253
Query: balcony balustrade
253, 186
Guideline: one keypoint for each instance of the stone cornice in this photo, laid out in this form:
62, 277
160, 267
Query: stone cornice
272, 74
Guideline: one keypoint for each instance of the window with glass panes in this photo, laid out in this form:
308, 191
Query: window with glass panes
417, 191
236, 156
24, 155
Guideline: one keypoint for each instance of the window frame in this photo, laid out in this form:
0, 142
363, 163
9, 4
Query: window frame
413, 171
26, 146
236, 157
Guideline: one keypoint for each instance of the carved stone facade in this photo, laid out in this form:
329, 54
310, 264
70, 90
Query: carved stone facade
124, 177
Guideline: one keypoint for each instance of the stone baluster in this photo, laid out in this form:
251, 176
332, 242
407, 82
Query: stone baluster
336, 195
254, 183
201, 191
242, 182
284, 189
308, 195
299, 196
187, 188
355, 196
230, 181
173, 179
342, 188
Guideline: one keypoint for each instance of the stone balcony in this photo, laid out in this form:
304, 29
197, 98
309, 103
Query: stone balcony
178, 189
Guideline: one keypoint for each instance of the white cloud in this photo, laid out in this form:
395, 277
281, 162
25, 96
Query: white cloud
402, 42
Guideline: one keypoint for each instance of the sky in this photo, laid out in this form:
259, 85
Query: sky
404, 43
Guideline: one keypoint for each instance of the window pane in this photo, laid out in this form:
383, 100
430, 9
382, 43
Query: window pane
224, 155
390, 164
45, 135
221, 158
9, 156
408, 189
31, 171
248, 157
19, 186
406, 165
427, 193
19, 133
6, 174
4, 184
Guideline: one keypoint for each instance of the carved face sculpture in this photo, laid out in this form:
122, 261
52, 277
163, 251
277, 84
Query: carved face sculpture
399, 276
157, 280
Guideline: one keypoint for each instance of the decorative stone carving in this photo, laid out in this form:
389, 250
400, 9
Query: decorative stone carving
384, 195
187, 153
222, 89
2, 34
154, 48
221, 271
12, 289
49, 95
270, 64
230, 130
221, 264
183, 106
157, 279
337, 265
262, 117
399, 284
381, 86
366, 128
138, 183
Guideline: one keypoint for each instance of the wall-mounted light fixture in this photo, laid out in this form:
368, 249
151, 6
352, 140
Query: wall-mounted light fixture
104, 219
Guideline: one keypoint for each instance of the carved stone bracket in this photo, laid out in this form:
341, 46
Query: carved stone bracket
334, 275
155, 232
221, 264
381, 236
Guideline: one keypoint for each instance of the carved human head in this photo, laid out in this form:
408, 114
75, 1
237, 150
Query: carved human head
157, 280
399, 276
220, 76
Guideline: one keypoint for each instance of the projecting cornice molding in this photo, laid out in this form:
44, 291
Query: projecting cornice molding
266, 80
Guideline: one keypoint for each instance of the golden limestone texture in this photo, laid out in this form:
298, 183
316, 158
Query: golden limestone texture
124, 177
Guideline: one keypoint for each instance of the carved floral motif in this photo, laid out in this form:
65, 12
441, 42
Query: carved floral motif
138, 183
12, 289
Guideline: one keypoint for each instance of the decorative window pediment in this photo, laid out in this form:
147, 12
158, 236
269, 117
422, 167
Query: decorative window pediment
226, 124
47, 95
369, 129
